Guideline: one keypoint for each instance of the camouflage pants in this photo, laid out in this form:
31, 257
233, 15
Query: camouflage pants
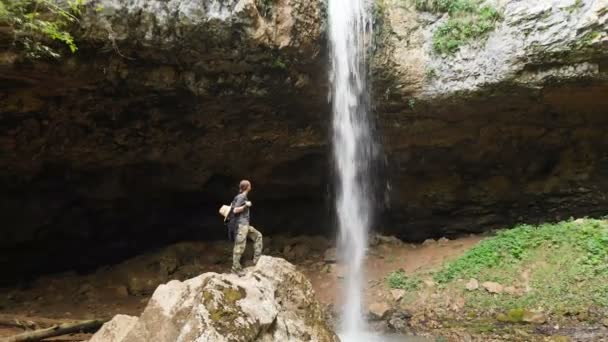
240, 242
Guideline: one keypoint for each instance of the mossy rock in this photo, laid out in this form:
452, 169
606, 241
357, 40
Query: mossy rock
512, 316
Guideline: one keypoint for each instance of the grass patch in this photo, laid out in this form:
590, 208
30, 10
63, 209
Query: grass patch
468, 20
399, 280
566, 267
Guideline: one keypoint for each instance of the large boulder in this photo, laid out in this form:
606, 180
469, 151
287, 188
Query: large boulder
271, 302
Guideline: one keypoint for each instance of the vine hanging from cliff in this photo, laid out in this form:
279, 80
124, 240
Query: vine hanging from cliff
35, 24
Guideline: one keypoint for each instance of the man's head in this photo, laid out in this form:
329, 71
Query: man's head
245, 186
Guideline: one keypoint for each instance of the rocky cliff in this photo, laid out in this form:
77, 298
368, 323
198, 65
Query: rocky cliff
137, 138
508, 128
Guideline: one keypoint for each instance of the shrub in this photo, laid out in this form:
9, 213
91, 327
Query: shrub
35, 23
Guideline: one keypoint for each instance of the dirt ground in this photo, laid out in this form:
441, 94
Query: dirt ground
125, 288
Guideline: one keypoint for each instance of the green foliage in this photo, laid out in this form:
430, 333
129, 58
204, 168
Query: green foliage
468, 20
399, 280
445, 6
411, 103
512, 246
565, 266
37, 22
278, 63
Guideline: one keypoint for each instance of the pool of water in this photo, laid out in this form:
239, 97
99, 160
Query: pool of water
376, 337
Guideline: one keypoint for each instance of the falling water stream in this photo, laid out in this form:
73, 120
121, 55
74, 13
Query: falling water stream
349, 28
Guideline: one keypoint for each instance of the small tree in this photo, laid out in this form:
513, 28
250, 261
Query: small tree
36, 23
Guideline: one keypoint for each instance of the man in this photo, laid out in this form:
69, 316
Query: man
241, 211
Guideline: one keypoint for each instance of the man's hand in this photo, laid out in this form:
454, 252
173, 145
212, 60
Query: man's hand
248, 204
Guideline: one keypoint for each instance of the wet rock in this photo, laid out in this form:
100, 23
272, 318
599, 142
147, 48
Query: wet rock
472, 285
379, 310
492, 287
115, 330
272, 301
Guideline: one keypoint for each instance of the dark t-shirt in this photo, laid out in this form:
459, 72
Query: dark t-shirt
243, 216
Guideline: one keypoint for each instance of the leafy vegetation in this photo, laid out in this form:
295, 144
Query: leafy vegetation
513, 246
566, 267
468, 20
36, 23
558, 269
399, 280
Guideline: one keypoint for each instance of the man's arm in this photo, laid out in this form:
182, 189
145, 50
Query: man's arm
240, 205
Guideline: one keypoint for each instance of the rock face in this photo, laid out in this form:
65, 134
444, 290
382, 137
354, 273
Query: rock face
508, 129
136, 140
272, 302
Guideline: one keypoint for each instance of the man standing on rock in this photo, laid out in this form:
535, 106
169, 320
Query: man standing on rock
241, 211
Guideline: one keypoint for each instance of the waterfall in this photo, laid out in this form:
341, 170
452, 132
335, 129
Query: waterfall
349, 30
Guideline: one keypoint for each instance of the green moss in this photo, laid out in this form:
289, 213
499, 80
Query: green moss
231, 295
588, 39
578, 4
516, 315
228, 311
468, 20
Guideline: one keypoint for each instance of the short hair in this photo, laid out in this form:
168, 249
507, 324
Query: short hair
244, 185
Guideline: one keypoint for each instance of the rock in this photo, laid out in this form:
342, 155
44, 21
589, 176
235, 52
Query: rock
397, 294
143, 283
287, 252
272, 301
510, 290
300, 252
492, 287
330, 255
85, 289
443, 241
390, 240
399, 321
121, 291
472, 285
216, 60
379, 310
605, 322
534, 317
115, 330
429, 242
429, 283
